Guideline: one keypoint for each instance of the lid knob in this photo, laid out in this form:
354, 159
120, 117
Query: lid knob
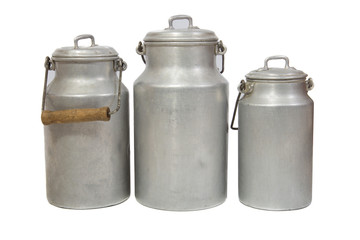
187, 33
286, 73
180, 17
276, 57
84, 53
83, 36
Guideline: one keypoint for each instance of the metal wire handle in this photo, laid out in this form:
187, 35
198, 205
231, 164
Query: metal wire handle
234, 113
119, 65
49, 65
243, 88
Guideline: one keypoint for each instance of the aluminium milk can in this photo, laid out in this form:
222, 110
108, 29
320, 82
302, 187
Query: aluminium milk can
181, 125
86, 124
275, 138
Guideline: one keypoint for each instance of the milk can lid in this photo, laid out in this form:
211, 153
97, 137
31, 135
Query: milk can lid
190, 34
80, 53
286, 73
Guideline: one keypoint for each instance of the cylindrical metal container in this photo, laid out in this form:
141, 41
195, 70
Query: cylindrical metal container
87, 153
181, 124
275, 138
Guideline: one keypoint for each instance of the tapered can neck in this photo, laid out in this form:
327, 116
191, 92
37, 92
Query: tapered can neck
184, 55
279, 88
92, 70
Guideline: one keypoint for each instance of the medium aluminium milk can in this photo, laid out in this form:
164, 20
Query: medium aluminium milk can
275, 138
181, 124
86, 127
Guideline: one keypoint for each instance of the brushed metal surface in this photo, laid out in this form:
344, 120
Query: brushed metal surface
87, 164
181, 128
275, 146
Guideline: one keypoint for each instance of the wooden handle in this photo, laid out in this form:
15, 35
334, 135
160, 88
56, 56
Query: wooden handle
75, 115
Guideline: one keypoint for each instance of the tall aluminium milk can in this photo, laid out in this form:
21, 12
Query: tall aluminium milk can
275, 138
181, 124
86, 127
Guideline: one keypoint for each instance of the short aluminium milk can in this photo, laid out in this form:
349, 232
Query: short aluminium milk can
86, 127
275, 138
181, 124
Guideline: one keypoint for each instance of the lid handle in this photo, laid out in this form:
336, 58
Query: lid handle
83, 36
180, 17
276, 58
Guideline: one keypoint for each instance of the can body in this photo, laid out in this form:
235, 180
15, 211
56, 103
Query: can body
275, 146
87, 164
181, 127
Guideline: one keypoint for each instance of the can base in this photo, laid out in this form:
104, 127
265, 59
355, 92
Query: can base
276, 209
182, 209
89, 207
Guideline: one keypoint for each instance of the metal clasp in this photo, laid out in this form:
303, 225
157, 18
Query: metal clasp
140, 49
309, 84
244, 88
220, 49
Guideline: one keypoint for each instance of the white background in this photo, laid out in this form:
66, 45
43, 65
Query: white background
320, 38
